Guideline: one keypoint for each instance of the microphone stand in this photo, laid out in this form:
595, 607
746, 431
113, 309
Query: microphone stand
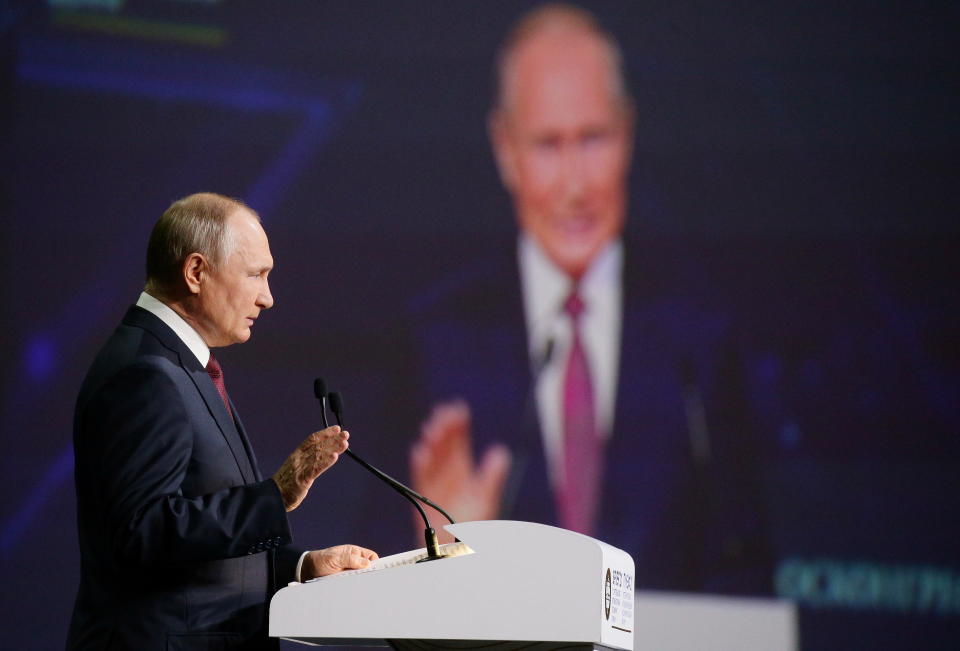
429, 533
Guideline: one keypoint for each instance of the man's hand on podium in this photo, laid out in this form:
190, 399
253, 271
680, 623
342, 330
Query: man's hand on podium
321, 562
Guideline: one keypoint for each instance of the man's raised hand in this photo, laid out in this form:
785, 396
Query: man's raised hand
316, 454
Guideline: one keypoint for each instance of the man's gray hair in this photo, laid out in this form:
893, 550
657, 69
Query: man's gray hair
557, 16
194, 224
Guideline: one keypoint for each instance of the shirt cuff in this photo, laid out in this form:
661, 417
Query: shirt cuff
296, 575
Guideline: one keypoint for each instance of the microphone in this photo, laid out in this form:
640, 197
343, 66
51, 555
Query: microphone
429, 533
530, 424
336, 405
545, 358
320, 391
539, 362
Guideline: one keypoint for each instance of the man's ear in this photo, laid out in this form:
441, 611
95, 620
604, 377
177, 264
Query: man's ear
503, 151
194, 267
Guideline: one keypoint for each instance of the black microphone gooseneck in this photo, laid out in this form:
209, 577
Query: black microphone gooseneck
320, 391
338, 412
429, 533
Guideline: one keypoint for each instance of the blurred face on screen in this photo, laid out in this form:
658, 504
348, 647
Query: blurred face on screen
562, 138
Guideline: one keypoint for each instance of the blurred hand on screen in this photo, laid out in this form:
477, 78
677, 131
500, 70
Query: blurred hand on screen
443, 469
321, 562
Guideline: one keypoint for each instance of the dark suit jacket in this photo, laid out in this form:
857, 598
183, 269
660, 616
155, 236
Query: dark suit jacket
181, 539
690, 523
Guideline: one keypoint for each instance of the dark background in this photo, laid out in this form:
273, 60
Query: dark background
802, 153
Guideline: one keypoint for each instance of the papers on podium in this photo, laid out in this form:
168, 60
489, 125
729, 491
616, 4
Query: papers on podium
512, 581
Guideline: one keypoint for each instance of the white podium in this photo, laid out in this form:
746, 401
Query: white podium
515, 585
673, 621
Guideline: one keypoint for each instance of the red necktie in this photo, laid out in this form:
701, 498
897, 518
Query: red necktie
216, 374
582, 447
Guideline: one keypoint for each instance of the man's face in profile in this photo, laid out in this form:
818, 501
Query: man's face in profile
563, 142
237, 291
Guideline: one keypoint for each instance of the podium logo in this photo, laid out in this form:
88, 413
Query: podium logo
607, 592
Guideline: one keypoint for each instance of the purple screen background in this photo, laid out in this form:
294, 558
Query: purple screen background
803, 155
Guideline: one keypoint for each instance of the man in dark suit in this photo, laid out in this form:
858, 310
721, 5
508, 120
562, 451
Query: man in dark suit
583, 338
182, 541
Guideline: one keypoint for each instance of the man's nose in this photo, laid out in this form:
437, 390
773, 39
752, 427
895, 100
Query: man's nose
265, 298
573, 173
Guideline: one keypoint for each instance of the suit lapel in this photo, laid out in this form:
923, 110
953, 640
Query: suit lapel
218, 410
231, 433
647, 456
242, 432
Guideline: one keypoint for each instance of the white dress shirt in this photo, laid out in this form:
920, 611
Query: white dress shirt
545, 289
190, 337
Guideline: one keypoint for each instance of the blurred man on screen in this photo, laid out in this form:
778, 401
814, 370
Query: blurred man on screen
182, 541
571, 332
